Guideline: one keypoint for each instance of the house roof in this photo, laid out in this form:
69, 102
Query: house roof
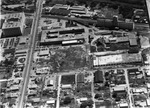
119, 88
50, 102
133, 42
80, 78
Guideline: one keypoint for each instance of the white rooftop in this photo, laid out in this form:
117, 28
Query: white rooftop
43, 52
50, 102
114, 59
123, 104
138, 90
148, 102
119, 88
13, 20
66, 86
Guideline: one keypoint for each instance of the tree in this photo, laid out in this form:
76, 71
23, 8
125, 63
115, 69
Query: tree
107, 84
8, 62
69, 3
28, 2
93, 4
67, 100
88, 103
98, 96
114, 95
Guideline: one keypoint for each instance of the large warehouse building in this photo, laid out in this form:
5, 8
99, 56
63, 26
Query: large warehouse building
112, 23
116, 59
13, 24
67, 36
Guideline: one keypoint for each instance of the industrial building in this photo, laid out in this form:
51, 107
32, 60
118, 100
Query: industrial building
63, 12
13, 25
116, 59
61, 6
131, 38
112, 23
67, 36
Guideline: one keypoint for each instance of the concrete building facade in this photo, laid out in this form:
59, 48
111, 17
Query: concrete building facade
13, 24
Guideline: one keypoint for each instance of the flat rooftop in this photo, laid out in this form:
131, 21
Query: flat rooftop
131, 39
62, 34
116, 59
11, 25
57, 11
14, 15
13, 20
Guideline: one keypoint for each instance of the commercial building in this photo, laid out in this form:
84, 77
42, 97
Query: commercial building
61, 6
80, 78
13, 24
145, 42
2, 19
117, 59
66, 86
50, 102
62, 12
131, 38
98, 77
124, 105
43, 70
117, 41
78, 8
44, 52
65, 10
72, 35
139, 90
1, 23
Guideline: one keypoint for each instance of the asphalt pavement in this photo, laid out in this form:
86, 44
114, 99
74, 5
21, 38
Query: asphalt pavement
58, 91
28, 66
128, 88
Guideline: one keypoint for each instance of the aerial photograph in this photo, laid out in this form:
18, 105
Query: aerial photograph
74, 53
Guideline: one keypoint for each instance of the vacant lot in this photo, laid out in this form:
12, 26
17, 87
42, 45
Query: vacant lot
70, 58
68, 79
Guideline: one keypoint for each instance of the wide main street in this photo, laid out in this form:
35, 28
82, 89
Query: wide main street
30, 54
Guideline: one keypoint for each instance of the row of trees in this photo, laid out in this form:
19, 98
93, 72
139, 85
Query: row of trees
68, 100
12, 2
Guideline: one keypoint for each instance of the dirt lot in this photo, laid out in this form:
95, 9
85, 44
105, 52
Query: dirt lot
68, 58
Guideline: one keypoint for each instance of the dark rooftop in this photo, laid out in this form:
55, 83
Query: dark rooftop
62, 12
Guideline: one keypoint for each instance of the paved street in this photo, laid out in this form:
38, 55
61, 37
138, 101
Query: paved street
92, 90
148, 6
30, 55
128, 86
58, 91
